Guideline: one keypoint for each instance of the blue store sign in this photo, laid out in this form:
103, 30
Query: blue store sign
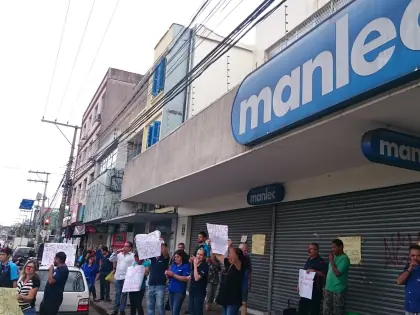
392, 148
366, 45
266, 195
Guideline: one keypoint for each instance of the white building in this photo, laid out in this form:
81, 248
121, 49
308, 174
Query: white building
315, 126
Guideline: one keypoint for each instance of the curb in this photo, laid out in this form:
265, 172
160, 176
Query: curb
99, 309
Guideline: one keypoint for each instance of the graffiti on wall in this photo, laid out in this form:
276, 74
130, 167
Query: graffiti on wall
396, 248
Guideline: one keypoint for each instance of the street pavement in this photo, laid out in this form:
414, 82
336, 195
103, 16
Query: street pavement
104, 308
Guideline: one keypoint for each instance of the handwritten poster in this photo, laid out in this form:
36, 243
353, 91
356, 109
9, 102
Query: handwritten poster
218, 235
134, 278
258, 244
148, 245
353, 248
306, 283
8, 302
51, 249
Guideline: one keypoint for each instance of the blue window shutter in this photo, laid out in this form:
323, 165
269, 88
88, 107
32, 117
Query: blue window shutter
149, 135
162, 74
156, 131
155, 85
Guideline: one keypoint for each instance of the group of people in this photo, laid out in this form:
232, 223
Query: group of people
205, 272
28, 283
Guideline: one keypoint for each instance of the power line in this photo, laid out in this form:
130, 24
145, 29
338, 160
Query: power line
56, 58
97, 51
76, 58
225, 45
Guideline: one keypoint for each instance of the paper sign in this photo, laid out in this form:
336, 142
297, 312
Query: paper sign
8, 302
353, 248
258, 244
134, 278
148, 245
51, 249
244, 238
306, 283
219, 237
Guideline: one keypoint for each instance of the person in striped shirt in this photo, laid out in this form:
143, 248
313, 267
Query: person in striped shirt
27, 286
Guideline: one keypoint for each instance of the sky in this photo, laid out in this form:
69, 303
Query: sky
30, 43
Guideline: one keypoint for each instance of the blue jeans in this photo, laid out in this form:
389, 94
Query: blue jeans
156, 297
120, 298
196, 303
175, 301
231, 309
31, 311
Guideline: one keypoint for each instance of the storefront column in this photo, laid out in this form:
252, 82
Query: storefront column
271, 270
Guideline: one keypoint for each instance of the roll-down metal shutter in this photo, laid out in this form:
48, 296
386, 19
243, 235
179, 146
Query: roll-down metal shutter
388, 221
244, 222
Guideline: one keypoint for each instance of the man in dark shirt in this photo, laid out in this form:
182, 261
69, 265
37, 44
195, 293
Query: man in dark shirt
247, 269
315, 263
157, 282
105, 269
9, 272
54, 289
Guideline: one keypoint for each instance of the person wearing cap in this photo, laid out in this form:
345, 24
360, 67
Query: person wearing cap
9, 271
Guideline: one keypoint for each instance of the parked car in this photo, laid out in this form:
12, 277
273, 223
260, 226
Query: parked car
76, 292
21, 255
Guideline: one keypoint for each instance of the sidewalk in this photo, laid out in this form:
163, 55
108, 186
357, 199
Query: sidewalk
104, 308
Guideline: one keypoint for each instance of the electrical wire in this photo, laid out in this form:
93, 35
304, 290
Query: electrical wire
76, 58
97, 51
56, 58
225, 45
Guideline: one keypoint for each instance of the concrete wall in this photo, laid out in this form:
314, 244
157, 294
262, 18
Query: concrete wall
274, 27
222, 76
186, 143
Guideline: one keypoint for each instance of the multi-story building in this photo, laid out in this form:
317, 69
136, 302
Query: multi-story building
178, 52
318, 143
105, 104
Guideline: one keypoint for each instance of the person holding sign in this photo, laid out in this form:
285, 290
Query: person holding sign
58, 274
202, 242
337, 280
178, 276
410, 277
315, 263
136, 298
123, 259
230, 291
198, 283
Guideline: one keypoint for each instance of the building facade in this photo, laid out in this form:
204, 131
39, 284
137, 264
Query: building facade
329, 120
97, 130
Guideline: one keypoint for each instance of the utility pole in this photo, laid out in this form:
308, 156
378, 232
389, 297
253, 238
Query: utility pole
44, 197
67, 181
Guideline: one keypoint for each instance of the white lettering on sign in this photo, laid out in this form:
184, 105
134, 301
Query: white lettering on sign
300, 80
265, 196
403, 152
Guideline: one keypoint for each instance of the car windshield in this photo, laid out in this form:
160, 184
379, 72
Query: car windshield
74, 282
22, 251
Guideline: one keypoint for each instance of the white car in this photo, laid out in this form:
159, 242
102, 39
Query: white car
76, 292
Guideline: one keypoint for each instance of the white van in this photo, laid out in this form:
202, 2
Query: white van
76, 292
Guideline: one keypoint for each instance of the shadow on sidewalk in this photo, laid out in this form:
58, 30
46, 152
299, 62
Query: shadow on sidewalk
105, 308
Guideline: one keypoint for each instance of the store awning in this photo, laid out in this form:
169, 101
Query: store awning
140, 217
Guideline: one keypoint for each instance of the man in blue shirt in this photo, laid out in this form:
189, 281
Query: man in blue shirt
9, 271
54, 289
157, 282
315, 263
410, 277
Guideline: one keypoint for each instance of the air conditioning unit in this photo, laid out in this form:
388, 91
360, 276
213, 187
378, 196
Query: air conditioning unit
98, 118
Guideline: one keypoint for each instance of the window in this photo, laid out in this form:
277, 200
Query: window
91, 177
153, 133
109, 162
84, 188
159, 77
74, 282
